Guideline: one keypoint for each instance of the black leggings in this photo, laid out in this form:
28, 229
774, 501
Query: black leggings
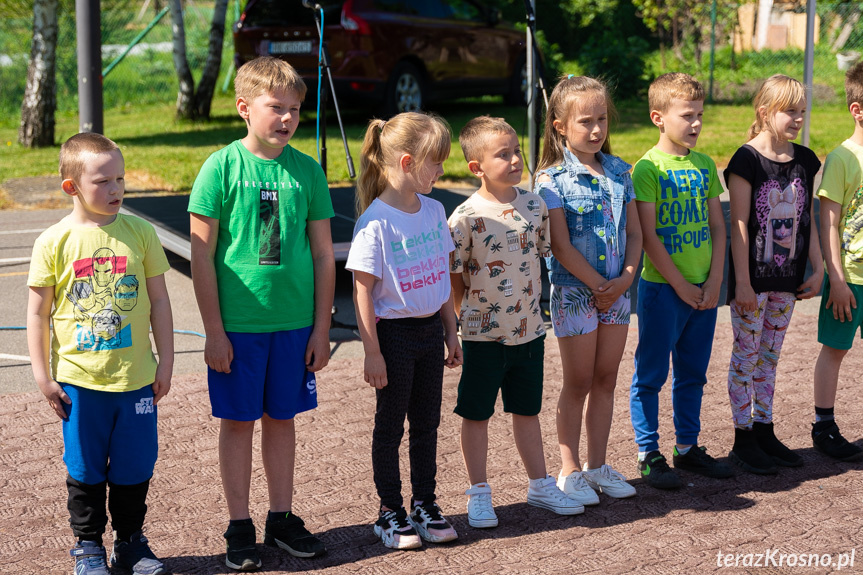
413, 349
87, 516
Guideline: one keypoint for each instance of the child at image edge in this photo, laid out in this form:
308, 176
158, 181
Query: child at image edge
683, 229
264, 275
99, 276
596, 246
500, 233
399, 257
770, 182
841, 197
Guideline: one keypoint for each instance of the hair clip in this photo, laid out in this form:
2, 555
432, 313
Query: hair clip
570, 76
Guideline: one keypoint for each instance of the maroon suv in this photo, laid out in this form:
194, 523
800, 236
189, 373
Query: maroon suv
393, 55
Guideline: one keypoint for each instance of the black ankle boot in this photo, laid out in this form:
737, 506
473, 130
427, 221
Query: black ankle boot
747, 455
777, 450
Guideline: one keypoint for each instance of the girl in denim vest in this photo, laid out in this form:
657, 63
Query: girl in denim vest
596, 246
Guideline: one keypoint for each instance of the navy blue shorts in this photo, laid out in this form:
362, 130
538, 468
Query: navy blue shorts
110, 435
268, 375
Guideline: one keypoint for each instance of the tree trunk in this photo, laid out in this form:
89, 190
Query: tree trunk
186, 93
207, 85
40, 96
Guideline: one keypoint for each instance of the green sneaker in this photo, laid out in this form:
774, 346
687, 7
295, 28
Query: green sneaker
655, 471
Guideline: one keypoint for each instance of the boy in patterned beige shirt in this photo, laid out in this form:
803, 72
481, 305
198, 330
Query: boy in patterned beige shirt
500, 233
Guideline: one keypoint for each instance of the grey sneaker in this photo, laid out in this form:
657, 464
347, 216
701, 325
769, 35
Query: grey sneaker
136, 557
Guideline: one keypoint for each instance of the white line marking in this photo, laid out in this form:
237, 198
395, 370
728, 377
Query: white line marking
14, 260
15, 357
30, 231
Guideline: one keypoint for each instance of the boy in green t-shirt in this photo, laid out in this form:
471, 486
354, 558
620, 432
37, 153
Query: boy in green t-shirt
841, 196
264, 274
677, 196
98, 276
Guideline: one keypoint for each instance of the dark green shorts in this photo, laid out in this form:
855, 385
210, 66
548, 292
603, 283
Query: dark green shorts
832, 332
515, 370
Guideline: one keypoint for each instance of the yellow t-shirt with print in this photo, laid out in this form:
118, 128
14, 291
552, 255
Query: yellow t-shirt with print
842, 183
101, 316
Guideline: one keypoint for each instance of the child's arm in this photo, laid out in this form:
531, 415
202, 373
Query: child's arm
218, 351
324, 262
612, 290
716, 221
655, 250
374, 368
456, 280
162, 323
812, 285
841, 297
450, 333
740, 192
38, 313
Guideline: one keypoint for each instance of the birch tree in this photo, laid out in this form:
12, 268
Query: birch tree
40, 96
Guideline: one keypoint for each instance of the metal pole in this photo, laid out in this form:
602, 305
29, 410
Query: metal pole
89, 32
533, 143
808, 67
712, 50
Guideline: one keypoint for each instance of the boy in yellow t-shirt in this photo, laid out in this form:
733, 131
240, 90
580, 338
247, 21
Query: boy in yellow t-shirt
98, 275
841, 197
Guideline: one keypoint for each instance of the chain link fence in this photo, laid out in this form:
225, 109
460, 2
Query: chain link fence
145, 74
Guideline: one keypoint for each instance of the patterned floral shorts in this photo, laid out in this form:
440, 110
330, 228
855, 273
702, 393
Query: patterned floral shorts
573, 311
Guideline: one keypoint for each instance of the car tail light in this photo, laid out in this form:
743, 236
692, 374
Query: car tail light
353, 23
362, 86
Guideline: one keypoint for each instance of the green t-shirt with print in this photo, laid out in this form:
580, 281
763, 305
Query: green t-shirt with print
842, 183
680, 187
263, 259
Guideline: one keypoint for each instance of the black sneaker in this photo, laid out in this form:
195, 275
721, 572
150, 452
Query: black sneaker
396, 531
136, 557
770, 445
698, 461
828, 440
90, 558
241, 554
749, 456
290, 533
655, 470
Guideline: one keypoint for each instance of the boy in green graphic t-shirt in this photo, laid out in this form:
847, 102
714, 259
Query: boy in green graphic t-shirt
677, 194
264, 274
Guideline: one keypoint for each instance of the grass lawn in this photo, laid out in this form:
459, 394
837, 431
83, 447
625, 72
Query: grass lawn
169, 153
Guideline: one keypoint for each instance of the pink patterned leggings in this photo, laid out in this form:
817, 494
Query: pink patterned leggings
758, 337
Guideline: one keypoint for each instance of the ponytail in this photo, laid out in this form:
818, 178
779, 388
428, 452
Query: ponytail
372, 180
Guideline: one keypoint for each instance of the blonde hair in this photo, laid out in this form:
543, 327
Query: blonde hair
474, 136
778, 92
571, 92
673, 85
854, 84
419, 134
74, 150
267, 75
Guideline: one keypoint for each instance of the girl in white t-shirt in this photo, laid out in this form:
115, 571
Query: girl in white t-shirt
400, 260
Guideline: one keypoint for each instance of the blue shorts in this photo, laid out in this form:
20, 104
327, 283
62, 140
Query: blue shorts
268, 375
110, 435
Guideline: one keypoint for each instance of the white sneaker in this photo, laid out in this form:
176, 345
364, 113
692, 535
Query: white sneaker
607, 480
577, 488
480, 511
547, 495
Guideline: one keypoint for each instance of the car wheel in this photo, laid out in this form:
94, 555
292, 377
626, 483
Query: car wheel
405, 90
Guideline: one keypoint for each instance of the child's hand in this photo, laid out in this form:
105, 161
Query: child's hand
219, 353
691, 294
56, 397
811, 287
609, 292
318, 350
745, 297
162, 384
454, 353
375, 370
842, 300
710, 294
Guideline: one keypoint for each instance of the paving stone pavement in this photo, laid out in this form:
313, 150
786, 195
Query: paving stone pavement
813, 509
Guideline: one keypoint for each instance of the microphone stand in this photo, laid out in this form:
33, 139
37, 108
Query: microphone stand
324, 64
534, 80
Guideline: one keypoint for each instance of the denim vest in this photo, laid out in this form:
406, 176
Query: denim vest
589, 230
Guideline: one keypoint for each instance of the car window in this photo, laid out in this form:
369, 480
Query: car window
280, 13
